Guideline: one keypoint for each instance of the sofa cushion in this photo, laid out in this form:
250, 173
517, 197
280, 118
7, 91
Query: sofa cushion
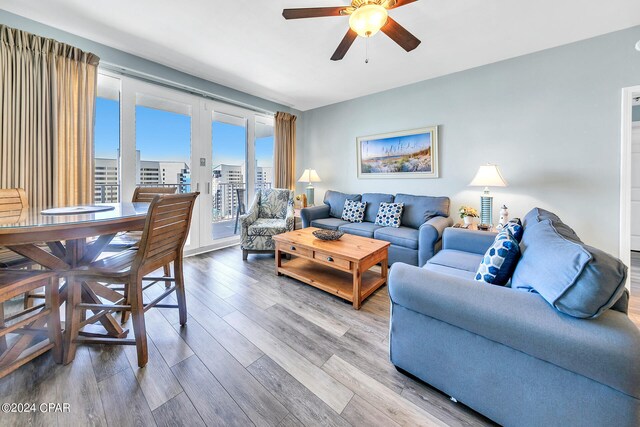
267, 227
328, 223
364, 229
389, 215
536, 215
401, 236
576, 279
500, 260
450, 271
353, 211
373, 201
336, 199
458, 260
420, 209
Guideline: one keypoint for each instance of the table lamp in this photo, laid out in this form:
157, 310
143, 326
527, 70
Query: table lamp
487, 176
309, 176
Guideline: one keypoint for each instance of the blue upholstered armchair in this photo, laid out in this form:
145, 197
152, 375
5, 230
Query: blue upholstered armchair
270, 213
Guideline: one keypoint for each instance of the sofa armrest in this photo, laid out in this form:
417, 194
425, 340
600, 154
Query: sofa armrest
525, 322
461, 239
314, 212
429, 235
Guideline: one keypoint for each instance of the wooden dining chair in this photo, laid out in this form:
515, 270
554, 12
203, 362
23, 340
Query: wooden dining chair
34, 338
146, 194
131, 239
163, 239
13, 201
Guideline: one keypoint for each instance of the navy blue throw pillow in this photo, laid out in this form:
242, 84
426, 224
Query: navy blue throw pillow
515, 228
500, 260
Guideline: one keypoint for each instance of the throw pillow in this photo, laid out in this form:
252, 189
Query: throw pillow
515, 228
389, 214
353, 211
500, 260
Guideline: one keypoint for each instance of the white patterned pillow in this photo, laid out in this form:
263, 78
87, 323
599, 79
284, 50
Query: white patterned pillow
353, 211
389, 214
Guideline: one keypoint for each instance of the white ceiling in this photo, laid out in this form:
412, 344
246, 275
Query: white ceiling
248, 45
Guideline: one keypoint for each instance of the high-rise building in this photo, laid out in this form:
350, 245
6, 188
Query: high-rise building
225, 180
150, 172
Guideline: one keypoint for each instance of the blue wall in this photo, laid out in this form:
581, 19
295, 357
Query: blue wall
118, 57
550, 119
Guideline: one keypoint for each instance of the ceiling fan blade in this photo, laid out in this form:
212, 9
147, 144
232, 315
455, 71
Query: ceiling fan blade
312, 12
400, 35
402, 3
344, 45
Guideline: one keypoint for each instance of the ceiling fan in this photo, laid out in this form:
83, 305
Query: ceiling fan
366, 18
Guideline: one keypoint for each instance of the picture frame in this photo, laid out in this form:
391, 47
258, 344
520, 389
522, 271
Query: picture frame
404, 154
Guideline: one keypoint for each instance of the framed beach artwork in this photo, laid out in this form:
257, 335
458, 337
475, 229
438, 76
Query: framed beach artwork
406, 154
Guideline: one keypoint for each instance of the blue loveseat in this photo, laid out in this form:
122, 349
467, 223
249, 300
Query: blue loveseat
515, 355
423, 220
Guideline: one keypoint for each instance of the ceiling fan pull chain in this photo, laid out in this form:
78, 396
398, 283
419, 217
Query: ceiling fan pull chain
366, 48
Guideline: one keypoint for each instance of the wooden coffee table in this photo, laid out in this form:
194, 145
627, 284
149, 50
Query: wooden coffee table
339, 267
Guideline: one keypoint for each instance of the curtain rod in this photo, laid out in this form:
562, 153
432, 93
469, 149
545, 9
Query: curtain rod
150, 78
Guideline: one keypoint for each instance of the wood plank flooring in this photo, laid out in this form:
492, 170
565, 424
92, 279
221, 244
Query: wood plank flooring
257, 350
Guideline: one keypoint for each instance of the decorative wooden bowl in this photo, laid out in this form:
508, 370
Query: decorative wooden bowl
328, 234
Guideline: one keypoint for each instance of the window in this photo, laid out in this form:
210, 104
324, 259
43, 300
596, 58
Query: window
107, 141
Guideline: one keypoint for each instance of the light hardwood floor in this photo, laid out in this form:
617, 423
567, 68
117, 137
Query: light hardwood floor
257, 350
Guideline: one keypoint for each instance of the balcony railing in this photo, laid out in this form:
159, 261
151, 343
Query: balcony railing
106, 193
225, 196
109, 193
226, 200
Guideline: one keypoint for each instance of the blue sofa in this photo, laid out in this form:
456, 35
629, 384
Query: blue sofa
511, 354
423, 220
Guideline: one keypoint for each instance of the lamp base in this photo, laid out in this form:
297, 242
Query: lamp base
486, 209
309, 192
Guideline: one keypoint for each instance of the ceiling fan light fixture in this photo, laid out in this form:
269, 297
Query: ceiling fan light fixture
368, 19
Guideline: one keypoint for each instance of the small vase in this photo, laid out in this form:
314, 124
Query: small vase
468, 220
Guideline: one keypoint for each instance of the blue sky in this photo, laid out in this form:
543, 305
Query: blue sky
395, 146
162, 135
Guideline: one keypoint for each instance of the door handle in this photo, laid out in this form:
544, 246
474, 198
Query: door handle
197, 187
208, 188
330, 259
293, 248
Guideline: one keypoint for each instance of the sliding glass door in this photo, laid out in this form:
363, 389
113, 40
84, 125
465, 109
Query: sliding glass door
149, 135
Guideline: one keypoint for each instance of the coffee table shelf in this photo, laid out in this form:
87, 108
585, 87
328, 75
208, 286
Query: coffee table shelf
330, 280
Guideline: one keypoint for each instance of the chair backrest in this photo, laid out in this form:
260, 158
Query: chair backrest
13, 199
165, 231
273, 202
13, 204
146, 194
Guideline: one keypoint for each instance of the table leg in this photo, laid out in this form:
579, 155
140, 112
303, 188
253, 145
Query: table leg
71, 319
278, 260
384, 271
357, 285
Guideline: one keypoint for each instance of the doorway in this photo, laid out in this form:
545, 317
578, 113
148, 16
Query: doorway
630, 186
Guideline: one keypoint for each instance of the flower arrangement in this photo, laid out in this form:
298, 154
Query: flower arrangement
468, 211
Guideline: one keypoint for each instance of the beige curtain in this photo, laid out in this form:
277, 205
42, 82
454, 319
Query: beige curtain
47, 109
285, 151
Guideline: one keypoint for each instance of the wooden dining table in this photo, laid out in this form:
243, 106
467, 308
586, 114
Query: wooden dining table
66, 241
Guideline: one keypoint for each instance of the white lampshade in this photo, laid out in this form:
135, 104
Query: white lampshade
309, 175
488, 176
